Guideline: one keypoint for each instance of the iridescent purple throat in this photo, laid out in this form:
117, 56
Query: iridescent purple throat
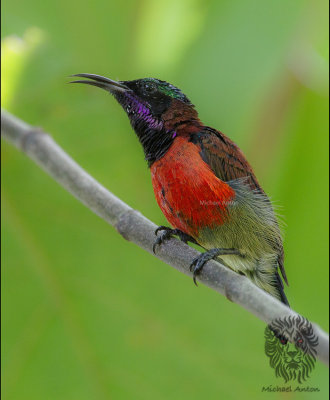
137, 110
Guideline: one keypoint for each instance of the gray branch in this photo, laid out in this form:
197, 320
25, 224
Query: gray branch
134, 227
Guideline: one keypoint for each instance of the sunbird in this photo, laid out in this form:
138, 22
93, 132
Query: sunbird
202, 182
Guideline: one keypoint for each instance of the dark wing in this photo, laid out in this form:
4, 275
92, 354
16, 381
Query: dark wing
228, 163
224, 157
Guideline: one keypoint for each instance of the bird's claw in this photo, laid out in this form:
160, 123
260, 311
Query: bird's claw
168, 234
161, 239
163, 228
197, 265
156, 243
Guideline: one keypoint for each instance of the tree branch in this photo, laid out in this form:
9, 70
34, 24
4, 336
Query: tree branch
136, 228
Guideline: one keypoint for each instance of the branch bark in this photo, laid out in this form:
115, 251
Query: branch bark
133, 226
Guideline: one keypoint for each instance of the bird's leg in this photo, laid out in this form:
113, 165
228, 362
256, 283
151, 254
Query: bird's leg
168, 233
198, 263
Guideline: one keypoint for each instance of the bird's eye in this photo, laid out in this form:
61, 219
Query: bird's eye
149, 87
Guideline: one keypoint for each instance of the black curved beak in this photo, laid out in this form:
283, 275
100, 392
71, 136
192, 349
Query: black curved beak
102, 82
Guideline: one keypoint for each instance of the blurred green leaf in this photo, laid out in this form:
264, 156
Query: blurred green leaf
88, 315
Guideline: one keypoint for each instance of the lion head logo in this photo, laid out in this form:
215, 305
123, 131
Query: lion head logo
295, 360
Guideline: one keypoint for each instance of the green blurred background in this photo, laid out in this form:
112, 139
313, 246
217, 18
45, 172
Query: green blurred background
87, 315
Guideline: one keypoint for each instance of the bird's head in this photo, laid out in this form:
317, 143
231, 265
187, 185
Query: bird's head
155, 109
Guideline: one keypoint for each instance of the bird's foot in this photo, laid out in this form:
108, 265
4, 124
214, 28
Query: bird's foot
168, 233
198, 263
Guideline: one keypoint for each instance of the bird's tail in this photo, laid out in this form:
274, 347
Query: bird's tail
270, 281
280, 289
281, 295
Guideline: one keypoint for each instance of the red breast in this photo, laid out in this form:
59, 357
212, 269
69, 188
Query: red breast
187, 191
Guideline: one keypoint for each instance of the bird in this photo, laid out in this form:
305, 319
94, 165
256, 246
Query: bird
202, 182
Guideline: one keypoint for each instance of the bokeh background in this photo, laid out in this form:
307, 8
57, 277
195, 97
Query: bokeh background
87, 315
